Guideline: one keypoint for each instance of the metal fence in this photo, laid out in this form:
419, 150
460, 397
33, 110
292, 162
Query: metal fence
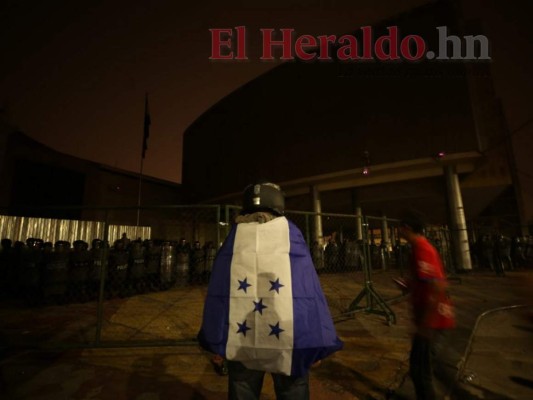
18, 228
134, 289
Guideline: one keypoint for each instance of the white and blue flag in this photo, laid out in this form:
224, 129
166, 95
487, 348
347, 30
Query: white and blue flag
264, 305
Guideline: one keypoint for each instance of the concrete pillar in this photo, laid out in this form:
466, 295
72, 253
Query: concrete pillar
385, 231
359, 223
459, 233
317, 208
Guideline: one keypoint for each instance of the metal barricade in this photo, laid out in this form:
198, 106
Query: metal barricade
124, 289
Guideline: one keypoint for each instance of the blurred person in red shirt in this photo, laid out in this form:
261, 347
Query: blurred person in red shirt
433, 313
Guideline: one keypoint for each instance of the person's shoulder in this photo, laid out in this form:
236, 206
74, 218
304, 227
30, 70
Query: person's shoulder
422, 243
291, 224
424, 249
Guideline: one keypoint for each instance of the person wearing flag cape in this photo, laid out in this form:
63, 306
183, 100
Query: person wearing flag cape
265, 310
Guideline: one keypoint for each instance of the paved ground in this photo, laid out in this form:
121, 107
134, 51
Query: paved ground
372, 365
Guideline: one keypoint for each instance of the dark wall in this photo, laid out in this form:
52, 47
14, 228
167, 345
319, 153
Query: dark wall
308, 118
36, 177
40, 185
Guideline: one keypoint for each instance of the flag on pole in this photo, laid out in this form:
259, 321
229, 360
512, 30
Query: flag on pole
147, 123
264, 305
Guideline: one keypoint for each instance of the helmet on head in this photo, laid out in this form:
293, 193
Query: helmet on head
263, 197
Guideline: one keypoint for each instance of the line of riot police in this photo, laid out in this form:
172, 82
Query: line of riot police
500, 253
42, 272
349, 255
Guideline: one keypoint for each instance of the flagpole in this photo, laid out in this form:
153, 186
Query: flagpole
146, 133
139, 197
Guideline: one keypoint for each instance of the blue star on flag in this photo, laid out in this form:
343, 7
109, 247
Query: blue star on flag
276, 330
276, 285
244, 285
243, 328
259, 306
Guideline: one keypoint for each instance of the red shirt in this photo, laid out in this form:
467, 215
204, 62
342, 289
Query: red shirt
427, 267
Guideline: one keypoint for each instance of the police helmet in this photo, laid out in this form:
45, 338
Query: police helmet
263, 197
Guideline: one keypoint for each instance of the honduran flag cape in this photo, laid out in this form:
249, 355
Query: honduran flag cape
264, 305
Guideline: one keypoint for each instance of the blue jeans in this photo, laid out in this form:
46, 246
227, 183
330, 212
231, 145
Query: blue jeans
246, 384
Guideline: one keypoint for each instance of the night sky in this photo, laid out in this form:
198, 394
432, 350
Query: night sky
74, 73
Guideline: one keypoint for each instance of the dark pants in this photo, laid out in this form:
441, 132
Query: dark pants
431, 358
246, 384
420, 368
